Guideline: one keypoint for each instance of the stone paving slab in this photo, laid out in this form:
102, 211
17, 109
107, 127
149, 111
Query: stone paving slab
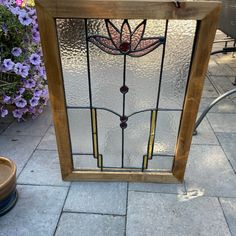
31, 127
223, 83
208, 90
3, 127
157, 188
223, 122
229, 208
205, 134
90, 224
18, 148
227, 59
228, 142
36, 212
97, 197
220, 69
170, 214
5, 122
49, 140
209, 172
43, 169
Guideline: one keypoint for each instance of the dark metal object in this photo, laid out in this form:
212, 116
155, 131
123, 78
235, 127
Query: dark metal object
210, 106
224, 50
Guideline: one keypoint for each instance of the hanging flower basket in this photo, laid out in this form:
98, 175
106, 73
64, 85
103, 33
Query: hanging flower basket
23, 84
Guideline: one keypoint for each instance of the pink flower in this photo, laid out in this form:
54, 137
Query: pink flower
125, 41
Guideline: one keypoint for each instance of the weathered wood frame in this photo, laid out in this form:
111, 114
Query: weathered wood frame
205, 12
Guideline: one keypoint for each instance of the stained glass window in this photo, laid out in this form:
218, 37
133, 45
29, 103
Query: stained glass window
125, 83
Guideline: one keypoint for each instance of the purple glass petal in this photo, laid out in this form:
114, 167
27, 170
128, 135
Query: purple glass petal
104, 48
125, 32
146, 43
144, 51
114, 33
137, 35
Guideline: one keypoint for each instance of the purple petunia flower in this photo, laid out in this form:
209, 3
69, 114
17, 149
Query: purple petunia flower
35, 36
37, 93
42, 72
21, 90
17, 113
44, 92
17, 68
25, 19
4, 112
21, 103
32, 12
6, 98
24, 71
16, 52
34, 101
14, 10
36, 27
35, 59
17, 97
22, 12
32, 110
8, 64
30, 83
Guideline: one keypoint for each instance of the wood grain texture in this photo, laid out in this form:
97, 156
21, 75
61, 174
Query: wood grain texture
163, 177
202, 50
56, 87
131, 9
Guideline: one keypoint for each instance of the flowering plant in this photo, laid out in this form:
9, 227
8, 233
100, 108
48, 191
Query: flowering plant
22, 74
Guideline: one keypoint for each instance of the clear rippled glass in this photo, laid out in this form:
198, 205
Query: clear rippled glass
142, 78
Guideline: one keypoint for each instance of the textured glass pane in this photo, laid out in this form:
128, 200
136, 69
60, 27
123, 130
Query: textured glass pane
85, 162
177, 58
109, 138
141, 87
143, 74
106, 71
80, 130
136, 139
160, 163
72, 45
166, 132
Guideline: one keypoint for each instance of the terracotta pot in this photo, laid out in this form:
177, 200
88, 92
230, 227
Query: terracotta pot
8, 193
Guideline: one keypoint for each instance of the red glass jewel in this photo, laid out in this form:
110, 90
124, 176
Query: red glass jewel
124, 47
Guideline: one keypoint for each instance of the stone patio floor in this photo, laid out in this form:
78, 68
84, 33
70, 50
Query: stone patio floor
205, 204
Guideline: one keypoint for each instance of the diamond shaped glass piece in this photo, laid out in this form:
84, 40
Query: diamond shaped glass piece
124, 89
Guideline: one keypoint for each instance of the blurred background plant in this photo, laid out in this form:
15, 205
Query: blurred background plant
23, 87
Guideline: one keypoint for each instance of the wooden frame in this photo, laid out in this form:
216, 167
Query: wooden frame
206, 12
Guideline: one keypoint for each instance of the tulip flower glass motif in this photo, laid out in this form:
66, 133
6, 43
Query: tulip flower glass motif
126, 42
